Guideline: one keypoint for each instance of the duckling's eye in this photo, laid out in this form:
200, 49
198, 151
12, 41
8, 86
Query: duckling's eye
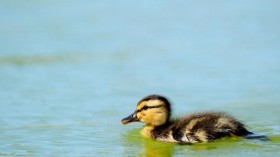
145, 108
149, 107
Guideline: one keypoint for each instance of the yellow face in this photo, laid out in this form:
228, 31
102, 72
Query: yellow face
152, 112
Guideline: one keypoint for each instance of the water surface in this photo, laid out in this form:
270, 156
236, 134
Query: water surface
70, 71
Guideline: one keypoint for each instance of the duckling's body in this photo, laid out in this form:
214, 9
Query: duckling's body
197, 127
155, 111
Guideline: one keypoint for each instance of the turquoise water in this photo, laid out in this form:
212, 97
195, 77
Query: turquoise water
71, 70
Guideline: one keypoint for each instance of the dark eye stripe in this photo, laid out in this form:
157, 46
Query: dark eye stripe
149, 107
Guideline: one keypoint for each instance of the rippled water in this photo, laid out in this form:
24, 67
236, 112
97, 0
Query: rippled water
70, 71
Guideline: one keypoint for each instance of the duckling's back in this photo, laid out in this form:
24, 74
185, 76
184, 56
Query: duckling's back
200, 127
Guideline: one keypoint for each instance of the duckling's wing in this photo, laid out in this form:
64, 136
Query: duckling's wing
205, 127
190, 129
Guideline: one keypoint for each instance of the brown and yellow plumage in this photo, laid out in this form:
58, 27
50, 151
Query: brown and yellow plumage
155, 112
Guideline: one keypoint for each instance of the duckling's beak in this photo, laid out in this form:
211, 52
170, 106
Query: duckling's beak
130, 118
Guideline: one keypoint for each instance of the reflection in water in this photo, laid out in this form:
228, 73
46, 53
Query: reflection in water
153, 148
133, 141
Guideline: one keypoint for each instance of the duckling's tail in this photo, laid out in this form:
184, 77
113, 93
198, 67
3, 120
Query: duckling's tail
243, 132
257, 136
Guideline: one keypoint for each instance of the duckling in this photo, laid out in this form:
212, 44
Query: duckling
155, 112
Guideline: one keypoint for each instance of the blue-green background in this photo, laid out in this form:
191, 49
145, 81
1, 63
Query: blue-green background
71, 70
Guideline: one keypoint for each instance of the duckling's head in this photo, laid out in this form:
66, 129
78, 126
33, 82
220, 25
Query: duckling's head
154, 110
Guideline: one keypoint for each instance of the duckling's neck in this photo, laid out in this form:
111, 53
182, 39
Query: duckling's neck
152, 131
146, 131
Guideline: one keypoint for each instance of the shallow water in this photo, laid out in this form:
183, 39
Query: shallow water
70, 71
